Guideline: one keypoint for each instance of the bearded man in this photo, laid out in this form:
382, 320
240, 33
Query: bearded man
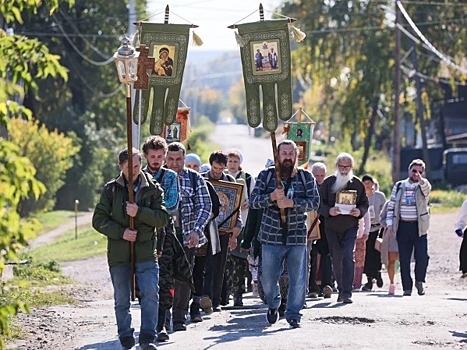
341, 227
284, 241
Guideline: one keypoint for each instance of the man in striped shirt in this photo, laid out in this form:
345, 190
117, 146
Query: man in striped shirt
284, 241
409, 218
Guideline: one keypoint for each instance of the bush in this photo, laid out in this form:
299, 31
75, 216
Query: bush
51, 154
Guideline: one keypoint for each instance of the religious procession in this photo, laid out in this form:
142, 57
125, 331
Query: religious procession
326, 206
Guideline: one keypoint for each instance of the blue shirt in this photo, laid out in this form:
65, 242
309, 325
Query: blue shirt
168, 180
305, 195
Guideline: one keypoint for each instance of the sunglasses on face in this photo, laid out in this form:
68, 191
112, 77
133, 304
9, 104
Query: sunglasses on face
416, 171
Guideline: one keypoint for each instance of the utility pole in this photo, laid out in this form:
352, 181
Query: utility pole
396, 142
420, 113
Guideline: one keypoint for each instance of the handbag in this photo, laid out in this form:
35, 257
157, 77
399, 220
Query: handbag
378, 244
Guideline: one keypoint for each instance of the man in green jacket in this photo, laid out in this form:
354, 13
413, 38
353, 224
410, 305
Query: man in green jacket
111, 218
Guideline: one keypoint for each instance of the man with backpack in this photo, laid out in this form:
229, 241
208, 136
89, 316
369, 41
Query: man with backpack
112, 217
408, 218
190, 221
284, 240
172, 261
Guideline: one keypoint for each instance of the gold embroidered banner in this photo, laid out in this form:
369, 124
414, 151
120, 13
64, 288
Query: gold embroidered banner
265, 55
168, 44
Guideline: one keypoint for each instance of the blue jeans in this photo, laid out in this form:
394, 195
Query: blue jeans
341, 245
408, 241
272, 257
147, 277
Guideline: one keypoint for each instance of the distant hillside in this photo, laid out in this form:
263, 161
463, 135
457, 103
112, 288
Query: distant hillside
212, 69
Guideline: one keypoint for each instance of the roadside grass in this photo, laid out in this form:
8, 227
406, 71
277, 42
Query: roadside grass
66, 248
443, 201
33, 286
52, 219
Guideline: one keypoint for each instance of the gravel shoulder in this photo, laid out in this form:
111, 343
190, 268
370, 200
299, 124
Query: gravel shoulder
374, 320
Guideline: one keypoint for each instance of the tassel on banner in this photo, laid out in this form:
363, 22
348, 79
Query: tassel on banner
239, 40
297, 34
196, 40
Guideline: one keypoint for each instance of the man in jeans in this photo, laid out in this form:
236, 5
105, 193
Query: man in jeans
284, 240
111, 218
409, 218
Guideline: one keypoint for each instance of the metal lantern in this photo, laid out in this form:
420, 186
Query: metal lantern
126, 60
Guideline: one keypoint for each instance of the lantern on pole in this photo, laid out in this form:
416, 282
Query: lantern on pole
126, 61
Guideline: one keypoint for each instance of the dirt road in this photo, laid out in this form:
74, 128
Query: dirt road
374, 321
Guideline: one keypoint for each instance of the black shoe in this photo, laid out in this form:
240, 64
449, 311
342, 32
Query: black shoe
272, 316
347, 301
282, 307
294, 323
368, 287
339, 298
313, 295
420, 289
195, 314
162, 336
379, 280
238, 301
148, 346
407, 293
127, 342
179, 327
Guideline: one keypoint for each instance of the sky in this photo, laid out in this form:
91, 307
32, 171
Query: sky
212, 17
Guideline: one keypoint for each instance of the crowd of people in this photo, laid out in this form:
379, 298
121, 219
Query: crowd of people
290, 237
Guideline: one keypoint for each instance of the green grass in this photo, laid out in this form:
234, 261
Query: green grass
89, 243
52, 219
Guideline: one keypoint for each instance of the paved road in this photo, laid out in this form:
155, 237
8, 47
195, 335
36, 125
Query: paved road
255, 150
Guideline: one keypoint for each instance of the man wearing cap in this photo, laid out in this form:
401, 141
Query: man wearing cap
112, 218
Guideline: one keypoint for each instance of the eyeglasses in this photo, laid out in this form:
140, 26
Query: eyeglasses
344, 167
416, 171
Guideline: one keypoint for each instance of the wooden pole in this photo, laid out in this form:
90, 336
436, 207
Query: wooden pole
277, 172
130, 186
396, 142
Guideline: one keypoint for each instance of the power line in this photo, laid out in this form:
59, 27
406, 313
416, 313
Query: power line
427, 42
78, 51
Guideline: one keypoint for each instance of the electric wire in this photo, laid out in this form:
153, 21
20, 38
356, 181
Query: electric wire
427, 42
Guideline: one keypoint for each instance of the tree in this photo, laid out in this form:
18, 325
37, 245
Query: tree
348, 57
21, 61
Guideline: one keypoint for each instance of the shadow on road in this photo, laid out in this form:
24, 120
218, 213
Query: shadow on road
108, 345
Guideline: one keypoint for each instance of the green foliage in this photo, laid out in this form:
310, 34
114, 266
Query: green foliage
448, 199
198, 141
51, 154
16, 182
11, 10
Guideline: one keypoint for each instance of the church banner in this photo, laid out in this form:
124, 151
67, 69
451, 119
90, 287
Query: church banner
265, 55
168, 44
